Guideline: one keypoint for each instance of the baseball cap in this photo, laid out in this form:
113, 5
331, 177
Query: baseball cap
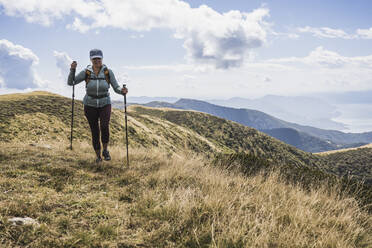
95, 53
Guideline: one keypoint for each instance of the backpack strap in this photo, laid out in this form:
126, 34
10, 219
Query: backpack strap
107, 75
105, 71
87, 77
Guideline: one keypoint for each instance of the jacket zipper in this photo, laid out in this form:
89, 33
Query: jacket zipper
97, 90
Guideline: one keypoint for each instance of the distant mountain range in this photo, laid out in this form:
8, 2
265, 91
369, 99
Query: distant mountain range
304, 110
307, 138
342, 111
146, 99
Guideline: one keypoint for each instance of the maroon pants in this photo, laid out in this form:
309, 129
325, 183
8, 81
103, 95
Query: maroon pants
103, 115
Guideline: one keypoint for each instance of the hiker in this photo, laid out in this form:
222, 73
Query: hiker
97, 102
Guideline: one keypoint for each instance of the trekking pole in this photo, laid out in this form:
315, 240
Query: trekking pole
72, 108
126, 124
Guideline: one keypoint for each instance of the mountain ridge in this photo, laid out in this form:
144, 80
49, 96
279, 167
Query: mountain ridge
322, 140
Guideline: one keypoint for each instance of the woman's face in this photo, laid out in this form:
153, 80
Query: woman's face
96, 62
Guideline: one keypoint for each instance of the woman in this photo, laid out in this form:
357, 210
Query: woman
97, 102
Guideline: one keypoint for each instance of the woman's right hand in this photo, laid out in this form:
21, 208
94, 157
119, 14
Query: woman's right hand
124, 90
73, 65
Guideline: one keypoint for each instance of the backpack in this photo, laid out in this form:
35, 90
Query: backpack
105, 71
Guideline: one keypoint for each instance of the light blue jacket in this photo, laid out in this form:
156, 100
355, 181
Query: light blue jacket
97, 86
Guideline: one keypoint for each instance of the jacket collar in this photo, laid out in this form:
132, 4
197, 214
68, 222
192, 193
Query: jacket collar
90, 67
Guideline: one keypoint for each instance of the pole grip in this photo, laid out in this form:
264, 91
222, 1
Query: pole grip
125, 96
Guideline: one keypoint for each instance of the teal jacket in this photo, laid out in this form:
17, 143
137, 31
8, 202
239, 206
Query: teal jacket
97, 86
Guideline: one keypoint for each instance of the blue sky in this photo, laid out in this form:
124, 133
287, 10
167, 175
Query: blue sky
196, 49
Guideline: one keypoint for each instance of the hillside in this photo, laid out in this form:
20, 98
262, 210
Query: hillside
234, 136
356, 162
42, 116
345, 149
241, 138
195, 180
162, 200
305, 141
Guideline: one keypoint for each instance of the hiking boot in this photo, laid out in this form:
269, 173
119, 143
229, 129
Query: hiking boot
106, 155
98, 160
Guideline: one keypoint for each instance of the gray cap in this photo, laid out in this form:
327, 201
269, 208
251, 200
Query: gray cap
95, 53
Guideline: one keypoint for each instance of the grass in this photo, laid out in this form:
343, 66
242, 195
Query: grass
355, 162
164, 200
344, 150
231, 136
307, 177
45, 117
177, 191
42, 116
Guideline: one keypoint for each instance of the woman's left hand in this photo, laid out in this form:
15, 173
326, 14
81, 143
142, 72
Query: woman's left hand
124, 90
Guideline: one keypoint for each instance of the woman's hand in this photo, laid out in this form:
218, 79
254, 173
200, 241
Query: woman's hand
73, 65
124, 90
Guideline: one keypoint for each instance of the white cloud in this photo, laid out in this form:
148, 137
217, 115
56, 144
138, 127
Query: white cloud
2, 83
17, 66
63, 62
78, 25
365, 33
293, 36
140, 36
59, 84
174, 68
18, 71
221, 39
321, 70
46, 11
325, 32
325, 58
267, 79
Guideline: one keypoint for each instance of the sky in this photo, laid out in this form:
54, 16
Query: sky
196, 49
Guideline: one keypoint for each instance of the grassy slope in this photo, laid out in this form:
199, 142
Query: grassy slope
44, 116
344, 150
353, 161
233, 135
180, 200
41, 116
163, 201
357, 162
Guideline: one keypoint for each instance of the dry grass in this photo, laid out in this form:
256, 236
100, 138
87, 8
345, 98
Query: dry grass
18, 96
343, 150
163, 200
